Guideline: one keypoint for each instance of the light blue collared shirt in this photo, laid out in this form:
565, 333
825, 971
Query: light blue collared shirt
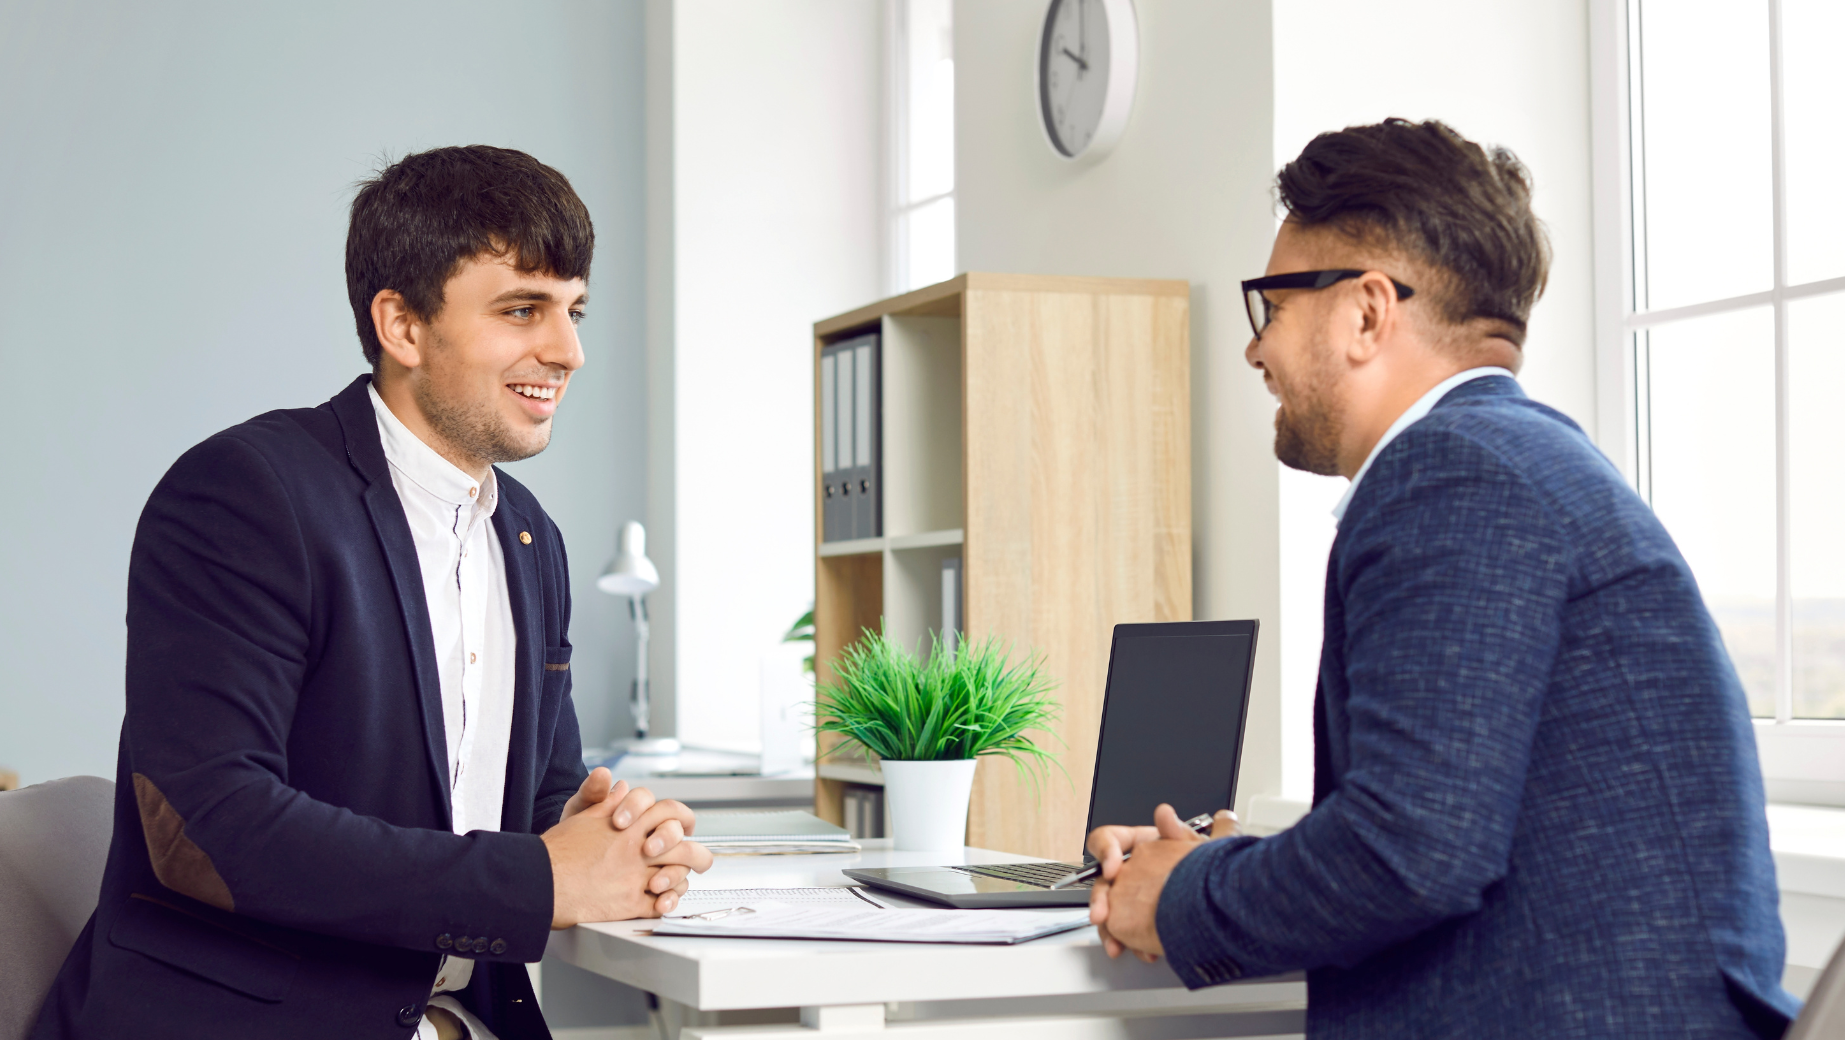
1409, 417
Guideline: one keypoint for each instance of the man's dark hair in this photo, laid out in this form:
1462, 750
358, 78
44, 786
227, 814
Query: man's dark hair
1423, 190
418, 220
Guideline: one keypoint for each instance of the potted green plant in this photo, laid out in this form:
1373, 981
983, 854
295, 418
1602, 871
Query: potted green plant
929, 724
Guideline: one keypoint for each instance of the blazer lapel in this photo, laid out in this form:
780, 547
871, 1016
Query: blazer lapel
525, 591
365, 450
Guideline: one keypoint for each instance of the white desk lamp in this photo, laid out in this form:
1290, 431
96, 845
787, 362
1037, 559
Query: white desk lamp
633, 575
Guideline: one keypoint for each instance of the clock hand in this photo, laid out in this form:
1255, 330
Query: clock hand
1080, 62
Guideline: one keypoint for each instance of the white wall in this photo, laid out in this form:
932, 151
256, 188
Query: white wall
173, 189
1182, 196
1510, 74
773, 183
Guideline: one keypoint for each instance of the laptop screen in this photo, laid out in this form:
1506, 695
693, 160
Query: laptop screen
1172, 720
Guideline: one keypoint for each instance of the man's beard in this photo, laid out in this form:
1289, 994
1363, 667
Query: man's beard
477, 430
1307, 435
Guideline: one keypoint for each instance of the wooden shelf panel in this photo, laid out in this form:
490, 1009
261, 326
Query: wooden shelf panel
861, 546
852, 547
943, 299
851, 773
927, 539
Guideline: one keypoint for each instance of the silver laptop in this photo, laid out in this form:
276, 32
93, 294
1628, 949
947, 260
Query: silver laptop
1172, 731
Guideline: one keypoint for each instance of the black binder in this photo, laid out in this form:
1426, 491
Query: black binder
851, 439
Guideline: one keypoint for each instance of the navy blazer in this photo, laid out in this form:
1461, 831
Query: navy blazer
282, 864
1537, 808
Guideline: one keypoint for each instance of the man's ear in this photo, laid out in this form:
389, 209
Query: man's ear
400, 332
1375, 315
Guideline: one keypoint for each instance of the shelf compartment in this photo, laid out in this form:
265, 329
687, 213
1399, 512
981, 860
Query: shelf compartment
913, 594
921, 397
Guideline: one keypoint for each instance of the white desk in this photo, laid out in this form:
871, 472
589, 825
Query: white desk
1061, 986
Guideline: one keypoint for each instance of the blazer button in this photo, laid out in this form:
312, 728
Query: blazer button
444, 941
498, 947
409, 1015
525, 537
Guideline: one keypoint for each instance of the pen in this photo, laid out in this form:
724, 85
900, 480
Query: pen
1200, 824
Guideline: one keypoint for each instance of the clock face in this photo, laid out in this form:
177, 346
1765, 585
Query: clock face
1073, 66
1088, 59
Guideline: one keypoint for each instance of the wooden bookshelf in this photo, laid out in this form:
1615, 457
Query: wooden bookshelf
1039, 428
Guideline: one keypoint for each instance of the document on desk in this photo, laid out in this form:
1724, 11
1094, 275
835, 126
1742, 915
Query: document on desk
703, 900
772, 920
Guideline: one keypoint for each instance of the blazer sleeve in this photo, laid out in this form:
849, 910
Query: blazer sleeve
564, 771
220, 629
1453, 581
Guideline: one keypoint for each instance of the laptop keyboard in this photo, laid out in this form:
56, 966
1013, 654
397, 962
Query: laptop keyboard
1038, 874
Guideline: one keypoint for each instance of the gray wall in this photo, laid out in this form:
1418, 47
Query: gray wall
173, 188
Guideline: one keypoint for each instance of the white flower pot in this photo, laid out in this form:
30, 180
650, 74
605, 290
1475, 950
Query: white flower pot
928, 803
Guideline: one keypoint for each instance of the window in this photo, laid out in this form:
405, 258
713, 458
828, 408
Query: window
922, 143
1728, 352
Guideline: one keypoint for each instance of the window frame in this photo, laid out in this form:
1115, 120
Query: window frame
900, 208
1803, 760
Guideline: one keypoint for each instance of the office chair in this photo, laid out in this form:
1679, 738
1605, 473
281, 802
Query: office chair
1824, 1014
54, 840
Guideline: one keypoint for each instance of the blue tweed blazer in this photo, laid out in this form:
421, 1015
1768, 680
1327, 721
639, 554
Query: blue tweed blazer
1537, 809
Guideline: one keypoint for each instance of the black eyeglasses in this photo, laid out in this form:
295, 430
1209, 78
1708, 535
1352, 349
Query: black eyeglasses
1260, 310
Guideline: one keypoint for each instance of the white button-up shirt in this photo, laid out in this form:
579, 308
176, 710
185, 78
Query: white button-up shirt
470, 617
1424, 404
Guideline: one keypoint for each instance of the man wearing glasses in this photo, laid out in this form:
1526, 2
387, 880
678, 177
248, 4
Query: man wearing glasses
1537, 807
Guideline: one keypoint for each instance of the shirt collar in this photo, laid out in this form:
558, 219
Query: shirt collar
1414, 412
422, 466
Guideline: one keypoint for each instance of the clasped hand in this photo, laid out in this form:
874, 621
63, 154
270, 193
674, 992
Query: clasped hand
1125, 899
619, 853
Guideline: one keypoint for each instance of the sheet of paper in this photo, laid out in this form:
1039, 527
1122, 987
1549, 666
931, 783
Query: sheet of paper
776, 920
734, 847
700, 900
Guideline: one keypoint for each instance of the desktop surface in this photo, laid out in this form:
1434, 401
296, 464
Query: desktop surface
714, 973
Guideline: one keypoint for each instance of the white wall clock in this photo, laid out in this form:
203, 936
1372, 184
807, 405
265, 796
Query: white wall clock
1088, 61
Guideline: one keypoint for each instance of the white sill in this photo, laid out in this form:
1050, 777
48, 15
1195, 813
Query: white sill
1809, 848
1808, 841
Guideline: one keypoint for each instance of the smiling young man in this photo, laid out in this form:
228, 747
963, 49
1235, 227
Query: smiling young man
351, 799
1537, 807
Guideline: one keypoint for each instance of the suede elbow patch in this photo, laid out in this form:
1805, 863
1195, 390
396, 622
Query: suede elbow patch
178, 861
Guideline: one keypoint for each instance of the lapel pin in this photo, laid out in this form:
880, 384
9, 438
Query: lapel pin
525, 537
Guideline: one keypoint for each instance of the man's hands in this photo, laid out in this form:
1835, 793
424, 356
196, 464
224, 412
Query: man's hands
618, 853
1123, 902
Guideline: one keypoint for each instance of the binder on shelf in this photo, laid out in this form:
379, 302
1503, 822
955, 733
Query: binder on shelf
851, 456
866, 413
950, 632
830, 475
864, 810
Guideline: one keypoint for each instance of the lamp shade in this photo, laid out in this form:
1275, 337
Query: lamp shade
631, 573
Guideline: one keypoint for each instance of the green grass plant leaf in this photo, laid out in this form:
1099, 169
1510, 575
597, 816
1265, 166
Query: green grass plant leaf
965, 703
